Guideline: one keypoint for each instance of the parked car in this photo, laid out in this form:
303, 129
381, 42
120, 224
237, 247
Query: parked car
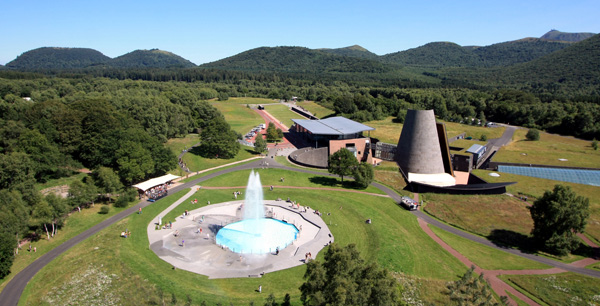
408, 203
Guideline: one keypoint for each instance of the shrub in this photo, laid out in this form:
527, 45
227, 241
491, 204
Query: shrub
483, 137
533, 134
104, 209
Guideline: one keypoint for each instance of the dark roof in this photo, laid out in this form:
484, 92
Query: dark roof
333, 126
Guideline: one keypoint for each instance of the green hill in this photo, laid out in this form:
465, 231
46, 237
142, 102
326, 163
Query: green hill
153, 58
518, 51
297, 59
57, 58
577, 66
352, 51
436, 54
563, 36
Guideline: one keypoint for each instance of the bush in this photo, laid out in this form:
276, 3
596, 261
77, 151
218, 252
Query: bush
483, 137
104, 209
7, 244
595, 144
533, 135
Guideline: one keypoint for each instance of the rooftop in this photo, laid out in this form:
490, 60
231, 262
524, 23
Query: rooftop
333, 126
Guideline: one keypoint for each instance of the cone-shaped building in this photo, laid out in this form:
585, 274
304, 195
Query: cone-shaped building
419, 149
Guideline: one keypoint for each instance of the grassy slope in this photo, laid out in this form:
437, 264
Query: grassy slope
559, 289
548, 150
316, 109
535, 187
74, 225
283, 114
468, 211
394, 240
485, 257
240, 118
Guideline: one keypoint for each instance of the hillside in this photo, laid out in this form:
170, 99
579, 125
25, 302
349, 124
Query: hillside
436, 54
297, 59
518, 51
563, 36
577, 65
57, 58
352, 51
153, 58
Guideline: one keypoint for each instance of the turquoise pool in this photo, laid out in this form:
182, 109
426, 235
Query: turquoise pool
257, 236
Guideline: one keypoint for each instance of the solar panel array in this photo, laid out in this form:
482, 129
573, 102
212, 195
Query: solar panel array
588, 177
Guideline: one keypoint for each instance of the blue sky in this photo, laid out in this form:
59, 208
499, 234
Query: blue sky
206, 31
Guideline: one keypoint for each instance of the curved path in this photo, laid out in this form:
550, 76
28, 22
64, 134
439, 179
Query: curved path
13, 290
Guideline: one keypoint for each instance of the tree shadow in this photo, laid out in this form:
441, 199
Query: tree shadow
324, 181
586, 251
510, 239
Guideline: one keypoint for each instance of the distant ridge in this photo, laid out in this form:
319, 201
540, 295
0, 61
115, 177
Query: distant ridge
153, 58
297, 59
435, 54
556, 35
57, 58
353, 51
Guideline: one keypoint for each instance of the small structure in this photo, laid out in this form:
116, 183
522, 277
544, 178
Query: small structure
156, 187
477, 151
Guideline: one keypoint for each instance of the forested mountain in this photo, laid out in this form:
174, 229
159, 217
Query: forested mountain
563, 36
518, 51
57, 58
297, 59
352, 51
435, 54
577, 66
153, 58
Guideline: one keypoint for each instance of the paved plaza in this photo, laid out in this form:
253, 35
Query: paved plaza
200, 254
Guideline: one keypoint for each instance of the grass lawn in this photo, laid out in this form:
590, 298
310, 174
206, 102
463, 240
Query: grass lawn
283, 113
126, 272
74, 225
61, 181
273, 177
455, 129
385, 130
481, 214
535, 187
485, 257
548, 150
316, 109
196, 162
177, 145
248, 100
558, 289
240, 118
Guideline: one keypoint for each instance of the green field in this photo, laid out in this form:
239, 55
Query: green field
385, 130
283, 113
533, 188
316, 109
558, 289
549, 150
125, 272
485, 257
241, 118
76, 223
455, 129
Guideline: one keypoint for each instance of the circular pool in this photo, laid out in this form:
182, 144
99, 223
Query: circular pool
257, 236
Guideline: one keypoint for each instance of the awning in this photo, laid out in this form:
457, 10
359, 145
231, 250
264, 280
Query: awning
143, 186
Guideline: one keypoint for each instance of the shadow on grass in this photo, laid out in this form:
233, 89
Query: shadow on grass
510, 239
333, 182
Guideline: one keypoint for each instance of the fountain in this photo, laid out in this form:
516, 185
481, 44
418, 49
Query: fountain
256, 234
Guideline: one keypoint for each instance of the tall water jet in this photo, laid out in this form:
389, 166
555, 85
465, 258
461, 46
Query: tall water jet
256, 234
253, 204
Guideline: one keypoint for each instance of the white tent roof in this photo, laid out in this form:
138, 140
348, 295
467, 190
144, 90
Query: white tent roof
437, 179
155, 182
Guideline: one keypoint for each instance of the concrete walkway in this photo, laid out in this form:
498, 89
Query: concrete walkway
200, 254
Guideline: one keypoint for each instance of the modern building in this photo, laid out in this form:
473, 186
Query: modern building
328, 136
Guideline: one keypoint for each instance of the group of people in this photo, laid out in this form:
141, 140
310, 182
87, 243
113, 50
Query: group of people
183, 165
307, 257
236, 194
157, 192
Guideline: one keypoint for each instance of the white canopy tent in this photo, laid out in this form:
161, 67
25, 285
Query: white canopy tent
143, 186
